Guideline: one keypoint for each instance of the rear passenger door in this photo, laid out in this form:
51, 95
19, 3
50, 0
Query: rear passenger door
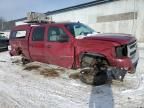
36, 43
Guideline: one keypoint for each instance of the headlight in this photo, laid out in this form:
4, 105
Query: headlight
121, 51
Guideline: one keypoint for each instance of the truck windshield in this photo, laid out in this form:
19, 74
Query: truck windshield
79, 29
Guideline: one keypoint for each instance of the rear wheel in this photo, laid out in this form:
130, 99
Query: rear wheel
92, 74
25, 61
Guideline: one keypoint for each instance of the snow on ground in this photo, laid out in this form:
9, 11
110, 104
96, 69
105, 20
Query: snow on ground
21, 88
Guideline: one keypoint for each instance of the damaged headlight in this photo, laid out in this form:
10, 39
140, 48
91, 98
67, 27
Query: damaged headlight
121, 51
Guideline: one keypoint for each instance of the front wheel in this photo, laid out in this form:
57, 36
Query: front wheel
92, 77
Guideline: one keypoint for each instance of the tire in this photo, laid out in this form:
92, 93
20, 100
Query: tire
95, 76
25, 61
93, 79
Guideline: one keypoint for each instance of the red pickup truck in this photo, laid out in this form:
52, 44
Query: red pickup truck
73, 45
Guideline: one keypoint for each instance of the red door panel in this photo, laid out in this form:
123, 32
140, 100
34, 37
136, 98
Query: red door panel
59, 53
20, 42
36, 44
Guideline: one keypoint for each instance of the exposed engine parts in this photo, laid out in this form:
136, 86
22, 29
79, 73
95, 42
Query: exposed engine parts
115, 73
96, 71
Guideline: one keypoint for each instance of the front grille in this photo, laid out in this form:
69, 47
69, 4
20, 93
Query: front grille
132, 49
132, 46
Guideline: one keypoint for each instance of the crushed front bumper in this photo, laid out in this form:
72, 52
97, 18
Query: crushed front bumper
126, 64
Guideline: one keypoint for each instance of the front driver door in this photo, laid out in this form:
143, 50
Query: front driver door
59, 52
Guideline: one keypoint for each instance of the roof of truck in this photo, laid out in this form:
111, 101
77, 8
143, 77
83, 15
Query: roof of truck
38, 24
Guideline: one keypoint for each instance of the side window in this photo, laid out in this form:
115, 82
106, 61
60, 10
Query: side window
38, 34
55, 33
18, 34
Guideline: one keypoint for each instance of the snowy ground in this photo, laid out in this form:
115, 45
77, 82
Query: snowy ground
20, 88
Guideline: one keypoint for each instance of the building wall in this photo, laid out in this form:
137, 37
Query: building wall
124, 16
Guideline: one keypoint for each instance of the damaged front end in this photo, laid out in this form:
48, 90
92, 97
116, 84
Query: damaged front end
127, 56
115, 73
101, 75
96, 71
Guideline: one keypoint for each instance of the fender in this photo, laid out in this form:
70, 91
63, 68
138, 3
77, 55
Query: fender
92, 54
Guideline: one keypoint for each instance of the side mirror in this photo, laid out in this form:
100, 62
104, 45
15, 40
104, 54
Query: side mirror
63, 38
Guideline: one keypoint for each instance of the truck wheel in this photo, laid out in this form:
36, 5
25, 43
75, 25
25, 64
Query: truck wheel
25, 61
93, 75
90, 77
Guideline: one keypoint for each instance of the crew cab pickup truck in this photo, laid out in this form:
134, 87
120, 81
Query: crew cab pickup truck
74, 45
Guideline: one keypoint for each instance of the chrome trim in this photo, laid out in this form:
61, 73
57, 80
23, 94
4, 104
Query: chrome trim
133, 51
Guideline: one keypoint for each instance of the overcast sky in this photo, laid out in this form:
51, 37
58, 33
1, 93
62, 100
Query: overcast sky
14, 9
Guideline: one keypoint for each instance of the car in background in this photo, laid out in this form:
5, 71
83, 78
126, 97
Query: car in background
4, 42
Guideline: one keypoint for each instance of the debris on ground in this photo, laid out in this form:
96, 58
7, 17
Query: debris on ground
21, 88
49, 72
42, 70
74, 75
31, 67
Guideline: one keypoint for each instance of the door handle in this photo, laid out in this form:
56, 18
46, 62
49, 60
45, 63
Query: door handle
48, 46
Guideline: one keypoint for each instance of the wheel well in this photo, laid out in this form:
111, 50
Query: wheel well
18, 51
89, 57
95, 74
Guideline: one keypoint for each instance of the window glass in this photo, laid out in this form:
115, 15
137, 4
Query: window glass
18, 34
79, 29
54, 33
38, 34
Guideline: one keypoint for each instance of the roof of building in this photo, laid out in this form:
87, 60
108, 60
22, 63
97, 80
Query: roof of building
84, 5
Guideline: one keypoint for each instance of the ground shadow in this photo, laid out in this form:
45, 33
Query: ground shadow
101, 97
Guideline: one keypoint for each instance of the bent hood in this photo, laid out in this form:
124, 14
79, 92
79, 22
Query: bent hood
113, 37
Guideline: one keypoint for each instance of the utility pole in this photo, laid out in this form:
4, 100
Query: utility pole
2, 25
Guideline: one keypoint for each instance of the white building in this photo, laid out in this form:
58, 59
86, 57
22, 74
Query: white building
116, 16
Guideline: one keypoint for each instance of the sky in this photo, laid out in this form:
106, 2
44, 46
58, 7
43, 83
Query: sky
15, 9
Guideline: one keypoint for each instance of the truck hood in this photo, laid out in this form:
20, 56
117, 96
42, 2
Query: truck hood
112, 37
